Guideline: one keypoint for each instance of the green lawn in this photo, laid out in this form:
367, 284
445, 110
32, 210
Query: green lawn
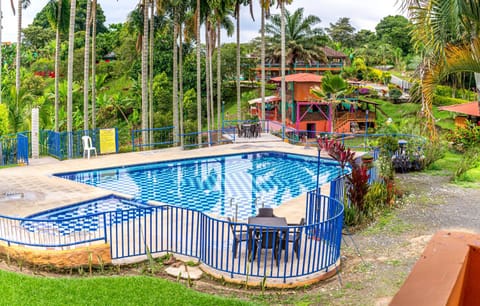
18, 289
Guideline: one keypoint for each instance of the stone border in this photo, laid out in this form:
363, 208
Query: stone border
98, 254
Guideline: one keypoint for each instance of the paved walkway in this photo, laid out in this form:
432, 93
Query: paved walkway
30, 189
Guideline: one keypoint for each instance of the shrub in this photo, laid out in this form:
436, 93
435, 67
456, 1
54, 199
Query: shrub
469, 160
394, 94
3, 119
465, 138
375, 199
441, 100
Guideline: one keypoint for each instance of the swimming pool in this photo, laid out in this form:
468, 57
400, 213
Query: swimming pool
69, 219
211, 184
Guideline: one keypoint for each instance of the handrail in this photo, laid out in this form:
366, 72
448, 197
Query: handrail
196, 234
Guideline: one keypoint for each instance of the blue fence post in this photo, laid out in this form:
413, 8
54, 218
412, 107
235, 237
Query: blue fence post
133, 140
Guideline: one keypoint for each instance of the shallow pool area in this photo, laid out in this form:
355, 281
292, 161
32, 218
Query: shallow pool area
85, 216
219, 184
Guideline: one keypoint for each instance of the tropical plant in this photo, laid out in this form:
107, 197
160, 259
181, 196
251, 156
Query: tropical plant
447, 34
357, 179
333, 86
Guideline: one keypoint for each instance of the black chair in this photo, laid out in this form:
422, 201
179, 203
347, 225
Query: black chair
238, 236
294, 237
265, 212
266, 239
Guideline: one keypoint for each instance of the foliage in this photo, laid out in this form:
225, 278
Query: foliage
3, 119
394, 30
395, 94
388, 145
42, 18
357, 179
466, 137
342, 32
470, 159
442, 100
302, 34
37, 37
376, 198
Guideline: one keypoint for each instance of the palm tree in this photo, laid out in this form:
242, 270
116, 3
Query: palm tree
447, 32
238, 4
86, 66
71, 38
199, 77
94, 63
302, 37
333, 86
57, 16
21, 4
265, 7
145, 73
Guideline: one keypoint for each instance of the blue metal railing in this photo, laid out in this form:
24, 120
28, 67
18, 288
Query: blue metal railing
56, 144
161, 138
208, 138
296, 250
14, 149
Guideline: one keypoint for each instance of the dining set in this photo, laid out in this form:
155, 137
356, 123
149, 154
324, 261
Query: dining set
266, 231
249, 130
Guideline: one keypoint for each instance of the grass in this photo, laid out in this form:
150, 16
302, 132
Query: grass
17, 289
388, 222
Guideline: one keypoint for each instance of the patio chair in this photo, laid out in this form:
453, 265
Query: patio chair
265, 212
87, 146
294, 237
238, 236
267, 239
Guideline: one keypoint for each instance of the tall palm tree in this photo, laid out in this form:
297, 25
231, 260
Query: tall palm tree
94, 64
21, 4
238, 4
71, 39
301, 33
57, 15
333, 86
448, 33
199, 76
145, 73
265, 13
151, 41
86, 66
176, 26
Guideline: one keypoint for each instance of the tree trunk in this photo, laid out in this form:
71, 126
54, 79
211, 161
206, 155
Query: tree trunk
239, 93
219, 80
207, 74
71, 39
150, 72
86, 62
180, 82
94, 64
57, 63
262, 64
1, 59
175, 78
145, 74
283, 89
199, 77
19, 43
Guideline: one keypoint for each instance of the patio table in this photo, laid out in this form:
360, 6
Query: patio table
266, 238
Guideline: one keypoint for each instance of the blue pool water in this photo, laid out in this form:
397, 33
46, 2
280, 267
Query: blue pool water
64, 220
211, 184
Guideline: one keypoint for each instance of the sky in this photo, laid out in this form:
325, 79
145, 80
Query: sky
363, 14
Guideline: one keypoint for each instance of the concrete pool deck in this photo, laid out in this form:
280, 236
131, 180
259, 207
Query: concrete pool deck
26, 190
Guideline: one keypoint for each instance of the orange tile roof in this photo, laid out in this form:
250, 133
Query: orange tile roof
472, 108
300, 78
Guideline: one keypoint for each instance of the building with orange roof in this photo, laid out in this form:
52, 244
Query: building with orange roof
467, 112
